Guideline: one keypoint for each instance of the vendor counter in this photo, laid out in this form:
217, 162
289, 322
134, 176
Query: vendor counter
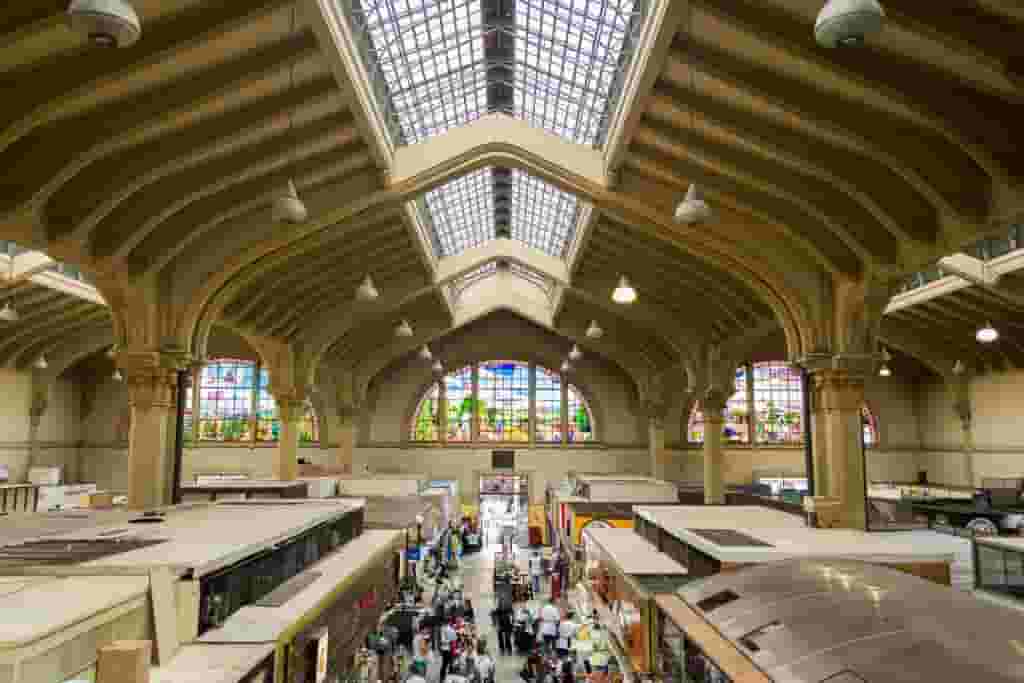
711, 539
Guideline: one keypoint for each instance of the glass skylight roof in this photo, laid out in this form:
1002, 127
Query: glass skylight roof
428, 58
556, 64
536, 279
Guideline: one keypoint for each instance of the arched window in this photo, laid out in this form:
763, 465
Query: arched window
268, 423
737, 415
501, 406
226, 388
870, 426
580, 427
778, 403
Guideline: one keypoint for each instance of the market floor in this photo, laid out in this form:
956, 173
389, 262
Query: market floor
477, 572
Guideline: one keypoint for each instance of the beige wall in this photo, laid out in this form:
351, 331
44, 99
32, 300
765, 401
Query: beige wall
57, 438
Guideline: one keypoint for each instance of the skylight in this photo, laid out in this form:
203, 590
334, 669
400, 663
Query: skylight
433, 61
559, 65
464, 282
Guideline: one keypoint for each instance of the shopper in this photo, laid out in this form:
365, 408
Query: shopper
467, 611
550, 616
483, 664
503, 623
417, 673
448, 640
566, 632
536, 571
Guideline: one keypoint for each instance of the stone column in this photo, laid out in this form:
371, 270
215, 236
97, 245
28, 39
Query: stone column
152, 381
714, 422
839, 395
290, 410
36, 410
656, 445
959, 388
345, 445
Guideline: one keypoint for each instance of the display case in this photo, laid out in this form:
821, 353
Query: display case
999, 566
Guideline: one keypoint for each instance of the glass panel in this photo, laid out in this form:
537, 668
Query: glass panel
268, 424
991, 568
504, 401
462, 212
549, 406
425, 424
542, 215
580, 422
225, 400
188, 414
737, 419
778, 402
459, 387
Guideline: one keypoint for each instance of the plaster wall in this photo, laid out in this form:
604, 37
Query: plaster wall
57, 437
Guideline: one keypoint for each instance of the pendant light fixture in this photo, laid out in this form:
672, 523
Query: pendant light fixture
288, 208
575, 354
112, 351
404, 329
425, 353
367, 291
624, 292
438, 366
846, 23
594, 330
885, 371
566, 367
117, 376
959, 368
106, 23
986, 334
41, 363
8, 314
693, 209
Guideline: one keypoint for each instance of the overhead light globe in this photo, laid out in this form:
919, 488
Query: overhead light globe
575, 354
594, 330
425, 353
404, 329
8, 314
959, 368
847, 23
117, 376
566, 367
112, 351
288, 208
106, 23
438, 366
693, 209
986, 334
884, 371
41, 363
624, 292
367, 291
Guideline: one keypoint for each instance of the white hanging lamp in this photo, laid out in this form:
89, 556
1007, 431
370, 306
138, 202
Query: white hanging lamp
438, 366
288, 208
624, 292
9, 314
959, 368
106, 23
693, 209
367, 291
594, 330
566, 367
41, 363
112, 351
117, 376
425, 353
575, 354
404, 329
885, 370
986, 334
847, 23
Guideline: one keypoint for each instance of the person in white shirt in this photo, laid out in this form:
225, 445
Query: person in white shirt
550, 615
536, 571
483, 664
448, 638
566, 632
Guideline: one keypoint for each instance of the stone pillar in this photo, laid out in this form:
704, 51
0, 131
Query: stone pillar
656, 445
290, 410
818, 432
36, 410
839, 395
959, 388
152, 382
345, 446
714, 422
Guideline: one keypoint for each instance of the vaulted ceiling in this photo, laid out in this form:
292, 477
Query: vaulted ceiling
154, 167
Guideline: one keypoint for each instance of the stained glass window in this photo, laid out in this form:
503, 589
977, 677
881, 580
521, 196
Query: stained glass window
580, 425
503, 406
459, 388
268, 426
225, 400
549, 407
870, 427
425, 425
778, 403
188, 413
504, 401
737, 415
309, 429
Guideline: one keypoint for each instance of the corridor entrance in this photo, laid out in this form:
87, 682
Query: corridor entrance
504, 508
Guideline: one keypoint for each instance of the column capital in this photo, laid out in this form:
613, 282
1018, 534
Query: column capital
838, 390
854, 364
712, 403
